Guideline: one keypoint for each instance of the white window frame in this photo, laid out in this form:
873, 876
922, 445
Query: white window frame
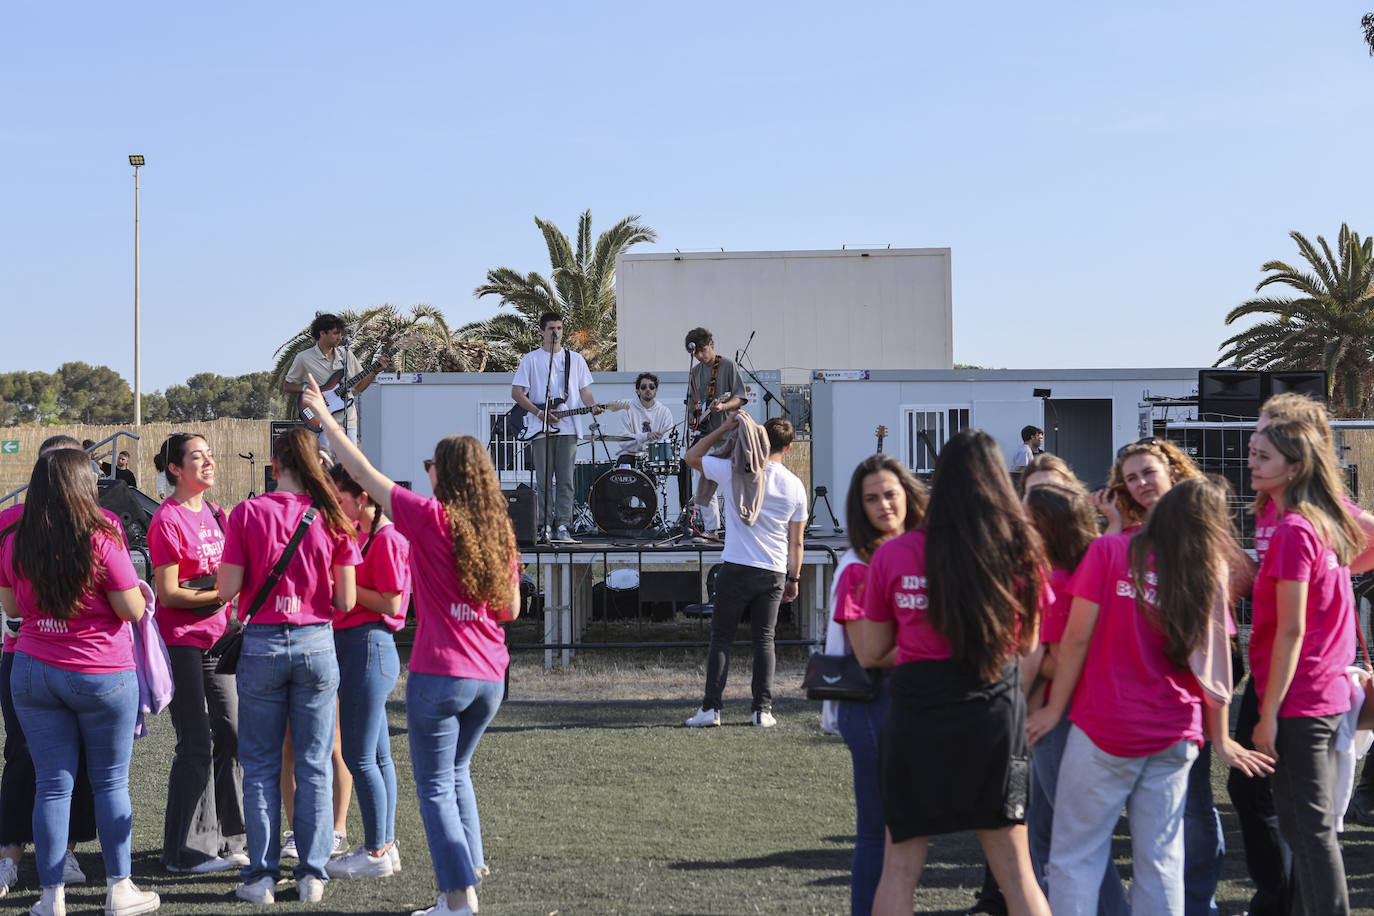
941, 420
487, 411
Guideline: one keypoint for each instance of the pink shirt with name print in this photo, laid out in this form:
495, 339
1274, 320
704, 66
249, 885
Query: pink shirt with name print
1130, 701
95, 640
896, 590
385, 567
1295, 552
454, 635
257, 533
194, 540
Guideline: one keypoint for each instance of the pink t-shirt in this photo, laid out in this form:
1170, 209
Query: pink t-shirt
1130, 699
258, 531
96, 640
1295, 552
194, 541
385, 568
453, 636
849, 592
1268, 518
1054, 616
896, 590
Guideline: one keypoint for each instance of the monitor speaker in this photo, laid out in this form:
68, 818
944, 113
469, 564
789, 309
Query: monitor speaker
520, 504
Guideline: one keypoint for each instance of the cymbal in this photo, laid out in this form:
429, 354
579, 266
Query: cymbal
605, 438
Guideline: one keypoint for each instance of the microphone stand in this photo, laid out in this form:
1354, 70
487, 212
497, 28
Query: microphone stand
767, 395
343, 391
547, 534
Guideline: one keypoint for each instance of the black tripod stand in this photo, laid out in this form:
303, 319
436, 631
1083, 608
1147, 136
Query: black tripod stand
823, 496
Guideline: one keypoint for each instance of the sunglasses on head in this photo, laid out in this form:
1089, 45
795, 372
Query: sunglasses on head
1148, 440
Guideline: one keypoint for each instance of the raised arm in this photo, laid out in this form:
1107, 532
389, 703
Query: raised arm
377, 484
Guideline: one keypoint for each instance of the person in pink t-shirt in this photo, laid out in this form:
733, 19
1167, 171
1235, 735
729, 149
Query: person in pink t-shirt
958, 598
288, 670
1301, 641
1141, 606
368, 668
203, 831
65, 571
465, 568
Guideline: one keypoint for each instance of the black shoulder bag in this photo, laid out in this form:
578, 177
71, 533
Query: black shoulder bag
229, 646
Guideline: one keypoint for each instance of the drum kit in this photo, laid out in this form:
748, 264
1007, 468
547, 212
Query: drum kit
624, 497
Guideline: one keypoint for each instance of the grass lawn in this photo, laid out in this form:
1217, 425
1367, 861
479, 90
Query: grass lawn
612, 807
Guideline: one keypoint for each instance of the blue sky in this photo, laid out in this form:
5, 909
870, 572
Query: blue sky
1110, 179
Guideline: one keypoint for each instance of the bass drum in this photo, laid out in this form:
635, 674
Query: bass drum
623, 499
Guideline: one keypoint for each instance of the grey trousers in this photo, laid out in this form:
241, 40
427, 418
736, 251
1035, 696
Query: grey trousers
205, 786
563, 452
1303, 781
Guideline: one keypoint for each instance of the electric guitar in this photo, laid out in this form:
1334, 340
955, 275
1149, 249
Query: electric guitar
528, 435
881, 433
330, 387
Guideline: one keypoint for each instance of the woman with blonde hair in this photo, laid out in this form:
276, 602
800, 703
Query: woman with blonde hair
465, 568
1048, 468
1142, 472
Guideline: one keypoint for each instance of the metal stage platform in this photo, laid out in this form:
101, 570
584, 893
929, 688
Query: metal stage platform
566, 574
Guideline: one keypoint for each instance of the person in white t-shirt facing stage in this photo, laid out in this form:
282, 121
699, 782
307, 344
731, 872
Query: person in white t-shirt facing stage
761, 566
646, 420
1032, 444
553, 440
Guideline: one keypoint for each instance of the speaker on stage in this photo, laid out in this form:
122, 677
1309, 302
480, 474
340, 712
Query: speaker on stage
520, 504
1229, 393
1300, 381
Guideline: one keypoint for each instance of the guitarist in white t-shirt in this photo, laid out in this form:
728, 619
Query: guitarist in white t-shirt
547, 380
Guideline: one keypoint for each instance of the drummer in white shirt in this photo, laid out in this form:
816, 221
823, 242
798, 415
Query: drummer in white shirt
646, 420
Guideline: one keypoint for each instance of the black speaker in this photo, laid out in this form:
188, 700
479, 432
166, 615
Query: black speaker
1229, 393
116, 496
520, 504
1310, 383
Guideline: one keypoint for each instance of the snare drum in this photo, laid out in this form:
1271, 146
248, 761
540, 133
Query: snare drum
623, 499
664, 458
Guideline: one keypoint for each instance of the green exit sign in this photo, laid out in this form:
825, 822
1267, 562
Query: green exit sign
9, 447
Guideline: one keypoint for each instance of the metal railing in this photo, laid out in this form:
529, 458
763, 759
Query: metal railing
92, 451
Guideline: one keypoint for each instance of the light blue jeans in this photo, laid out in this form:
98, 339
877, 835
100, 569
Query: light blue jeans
859, 724
1204, 842
287, 673
446, 717
368, 668
1097, 784
60, 711
1045, 759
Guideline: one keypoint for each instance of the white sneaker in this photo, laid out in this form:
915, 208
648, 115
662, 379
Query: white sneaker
207, 867
71, 870
441, 908
52, 903
763, 718
310, 889
564, 535
263, 890
288, 845
340, 843
237, 859
360, 864
472, 897
9, 875
393, 853
123, 898
704, 718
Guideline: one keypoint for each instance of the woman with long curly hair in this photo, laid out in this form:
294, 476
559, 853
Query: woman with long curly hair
464, 564
958, 598
65, 571
1142, 472
288, 671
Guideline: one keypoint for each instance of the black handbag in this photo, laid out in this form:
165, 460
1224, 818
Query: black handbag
229, 647
840, 677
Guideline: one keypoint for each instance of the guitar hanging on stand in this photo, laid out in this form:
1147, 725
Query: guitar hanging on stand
330, 387
881, 433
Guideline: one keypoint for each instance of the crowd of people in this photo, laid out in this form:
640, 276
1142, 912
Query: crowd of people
1083, 642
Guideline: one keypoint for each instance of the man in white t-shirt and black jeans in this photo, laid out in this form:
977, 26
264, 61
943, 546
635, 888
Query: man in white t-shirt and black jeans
761, 567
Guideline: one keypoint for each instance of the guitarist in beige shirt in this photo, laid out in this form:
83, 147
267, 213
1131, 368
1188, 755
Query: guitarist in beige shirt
326, 358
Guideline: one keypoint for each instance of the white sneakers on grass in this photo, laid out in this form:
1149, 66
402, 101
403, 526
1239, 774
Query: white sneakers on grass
310, 889
441, 908
289, 851
123, 898
53, 902
71, 870
704, 718
263, 890
361, 864
764, 718
9, 875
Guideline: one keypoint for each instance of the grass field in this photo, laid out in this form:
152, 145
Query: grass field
610, 806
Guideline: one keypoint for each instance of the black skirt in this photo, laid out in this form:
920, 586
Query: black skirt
952, 752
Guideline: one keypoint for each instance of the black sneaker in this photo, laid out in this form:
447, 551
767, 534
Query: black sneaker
990, 903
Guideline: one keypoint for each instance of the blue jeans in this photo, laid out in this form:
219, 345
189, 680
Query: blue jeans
287, 673
368, 668
445, 717
1096, 785
1045, 758
859, 724
1204, 844
60, 711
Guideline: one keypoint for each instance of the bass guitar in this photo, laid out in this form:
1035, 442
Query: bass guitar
330, 387
526, 434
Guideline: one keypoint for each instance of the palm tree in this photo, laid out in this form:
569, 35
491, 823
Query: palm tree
581, 288
1329, 326
1367, 23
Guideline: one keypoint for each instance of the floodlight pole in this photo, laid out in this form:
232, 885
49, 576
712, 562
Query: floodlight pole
136, 162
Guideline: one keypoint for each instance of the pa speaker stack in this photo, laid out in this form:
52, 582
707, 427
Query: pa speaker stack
1238, 394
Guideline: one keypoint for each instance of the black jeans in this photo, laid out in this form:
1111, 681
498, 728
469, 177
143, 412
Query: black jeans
1267, 856
1304, 789
205, 786
18, 787
740, 588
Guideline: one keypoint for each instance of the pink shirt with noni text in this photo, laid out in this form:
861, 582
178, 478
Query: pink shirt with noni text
258, 531
194, 541
385, 568
454, 636
1130, 701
